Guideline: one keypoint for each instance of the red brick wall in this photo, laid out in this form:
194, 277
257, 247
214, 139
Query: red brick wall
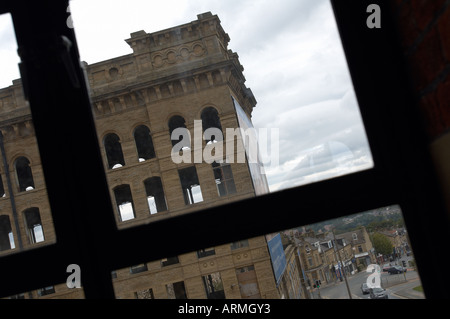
424, 27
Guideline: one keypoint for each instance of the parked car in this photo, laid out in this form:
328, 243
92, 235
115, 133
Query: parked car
386, 267
396, 270
365, 289
378, 293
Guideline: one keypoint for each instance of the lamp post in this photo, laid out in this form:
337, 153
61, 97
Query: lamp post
10, 192
343, 270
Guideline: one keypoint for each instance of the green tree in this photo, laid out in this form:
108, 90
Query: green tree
382, 244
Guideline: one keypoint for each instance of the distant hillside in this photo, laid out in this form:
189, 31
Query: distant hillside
374, 219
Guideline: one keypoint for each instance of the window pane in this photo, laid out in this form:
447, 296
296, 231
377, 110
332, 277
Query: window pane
126, 212
206, 252
227, 172
152, 205
185, 74
197, 194
155, 195
183, 70
370, 248
176, 290
25, 216
144, 143
365, 250
214, 286
138, 268
124, 202
190, 184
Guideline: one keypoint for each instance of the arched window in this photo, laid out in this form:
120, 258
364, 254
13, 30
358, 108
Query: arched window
155, 195
33, 223
211, 122
124, 201
6, 236
113, 150
24, 174
190, 184
179, 134
144, 143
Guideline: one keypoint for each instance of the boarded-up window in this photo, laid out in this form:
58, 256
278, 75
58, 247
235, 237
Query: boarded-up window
144, 294
248, 283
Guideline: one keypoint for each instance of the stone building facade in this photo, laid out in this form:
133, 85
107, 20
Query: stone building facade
325, 259
175, 78
363, 250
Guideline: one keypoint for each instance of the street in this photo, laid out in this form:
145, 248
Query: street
395, 285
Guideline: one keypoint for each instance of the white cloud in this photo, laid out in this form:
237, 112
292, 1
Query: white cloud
293, 61
319, 141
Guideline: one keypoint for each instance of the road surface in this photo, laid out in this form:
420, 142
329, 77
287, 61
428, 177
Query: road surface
395, 285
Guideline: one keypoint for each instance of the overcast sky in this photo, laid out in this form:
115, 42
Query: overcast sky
293, 62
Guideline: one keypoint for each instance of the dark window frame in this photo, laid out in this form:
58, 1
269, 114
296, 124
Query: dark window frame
223, 176
113, 150
46, 291
211, 120
154, 188
32, 217
188, 180
239, 244
24, 174
208, 284
5, 230
179, 290
403, 173
177, 122
2, 187
136, 269
169, 261
205, 252
147, 293
123, 194
144, 143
